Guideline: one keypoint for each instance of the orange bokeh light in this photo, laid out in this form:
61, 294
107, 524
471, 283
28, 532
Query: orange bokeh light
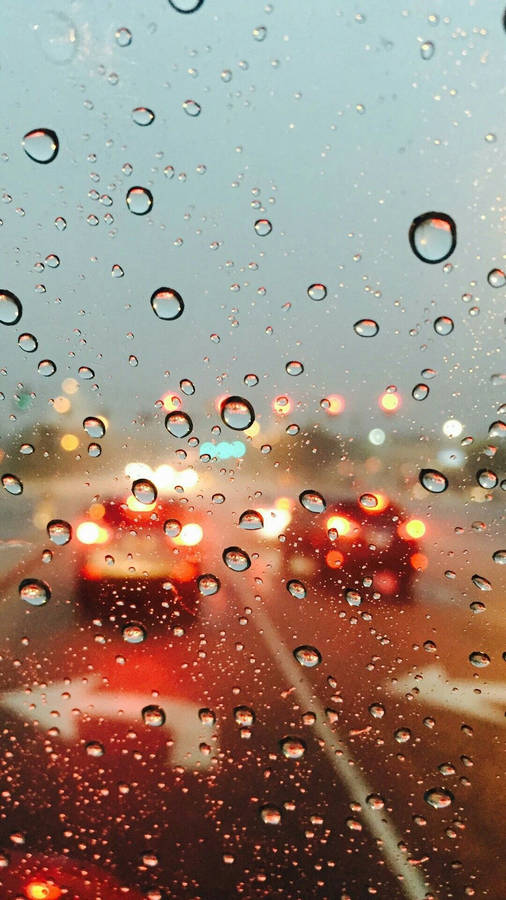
334, 559
282, 405
190, 535
42, 890
336, 404
419, 561
91, 533
342, 525
412, 530
171, 401
389, 402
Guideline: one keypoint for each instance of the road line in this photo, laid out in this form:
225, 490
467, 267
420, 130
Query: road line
413, 885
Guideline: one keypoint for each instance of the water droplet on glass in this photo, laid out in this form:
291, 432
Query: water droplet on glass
270, 814
294, 367
433, 481
369, 501
353, 597
263, 227
41, 145
133, 633
377, 710
192, 108
46, 368
178, 424
27, 342
187, 386
144, 490
443, 325
427, 50
317, 291
123, 37
208, 585
139, 200
496, 278
172, 527
186, 6
207, 716
497, 429
10, 308
251, 520
94, 427
260, 33
143, 116
244, 716
296, 589
482, 583
95, 749
153, 715
420, 391
375, 801
487, 479
59, 532
307, 656
433, 237
12, 484
167, 303
94, 450
366, 328
34, 591
499, 557
237, 413
479, 659
26, 449
402, 735
292, 747
312, 501
438, 798
85, 373
236, 559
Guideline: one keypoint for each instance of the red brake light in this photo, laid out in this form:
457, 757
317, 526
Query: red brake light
412, 530
345, 527
42, 890
419, 561
334, 559
91, 533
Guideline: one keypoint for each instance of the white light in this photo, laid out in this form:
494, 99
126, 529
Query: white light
453, 428
138, 470
451, 457
187, 478
377, 437
164, 477
274, 521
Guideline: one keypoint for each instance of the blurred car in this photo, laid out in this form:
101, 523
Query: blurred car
359, 548
41, 877
145, 560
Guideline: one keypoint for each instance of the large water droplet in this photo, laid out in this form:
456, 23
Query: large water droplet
313, 501
368, 501
41, 145
244, 716
207, 716
433, 237
139, 200
443, 325
27, 342
236, 559
296, 589
144, 490
192, 108
263, 227
496, 278
172, 528
34, 591
237, 413
427, 50
186, 6
487, 479
59, 532
499, 557
366, 328
46, 368
208, 584
251, 520
123, 37
292, 747
10, 308
133, 633
307, 656
143, 116
12, 484
497, 429
94, 749
167, 303
270, 814
438, 798
153, 715
178, 424
482, 583
420, 391
433, 481
377, 710
479, 659
317, 291
94, 427
294, 367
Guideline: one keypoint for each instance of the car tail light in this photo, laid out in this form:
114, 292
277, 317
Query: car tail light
135, 505
366, 502
42, 890
334, 559
91, 533
412, 530
190, 535
345, 527
419, 561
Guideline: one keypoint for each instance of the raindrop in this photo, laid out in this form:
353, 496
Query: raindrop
59, 532
144, 490
251, 520
10, 308
479, 659
496, 278
172, 528
94, 427
375, 801
12, 484
377, 710
41, 145
294, 367
46, 368
499, 557
482, 583
28, 342
271, 815
312, 501
427, 50
123, 37
317, 291
443, 325
85, 373
94, 748
236, 559
143, 116
447, 769
207, 716
186, 6
420, 392
369, 501
296, 589
366, 328
34, 591
260, 33
237, 413
178, 424
250, 380
192, 108
353, 597
244, 716
133, 633
487, 479
433, 481
307, 656
438, 798
26, 449
402, 735
94, 450
139, 200
263, 227
167, 303
497, 429
292, 747
117, 271
187, 386
208, 585
433, 237
153, 715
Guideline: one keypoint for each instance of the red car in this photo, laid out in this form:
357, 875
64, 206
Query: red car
356, 549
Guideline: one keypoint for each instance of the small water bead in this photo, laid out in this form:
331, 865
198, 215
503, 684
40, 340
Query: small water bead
192, 108
487, 479
292, 747
292, 429
433, 481
307, 656
433, 237
28, 342
60, 223
236, 559
482, 583
263, 227
52, 261
133, 633
143, 116
259, 33
12, 484
443, 325
250, 380
117, 271
139, 200
187, 386
244, 716
402, 735
354, 598
420, 391
85, 373
237, 413
270, 814
447, 769
178, 424
313, 501
94, 450
34, 591
123, 37
207, 716
375, 801
208, 584
438, 798
46, 368
296, 589
144, 491
368, 501
167, 303
251, 520
427, 50
477, 606
499, 557
26, 449
172, 527
11, 309
377, 710
366, 328
479, 659
153, 715
59, 532
41, 145
317, 291
94, 427
496, 278
94, 749
294, 367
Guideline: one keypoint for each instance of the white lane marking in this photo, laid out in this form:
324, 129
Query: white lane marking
437, 688
49, 708
413, 884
